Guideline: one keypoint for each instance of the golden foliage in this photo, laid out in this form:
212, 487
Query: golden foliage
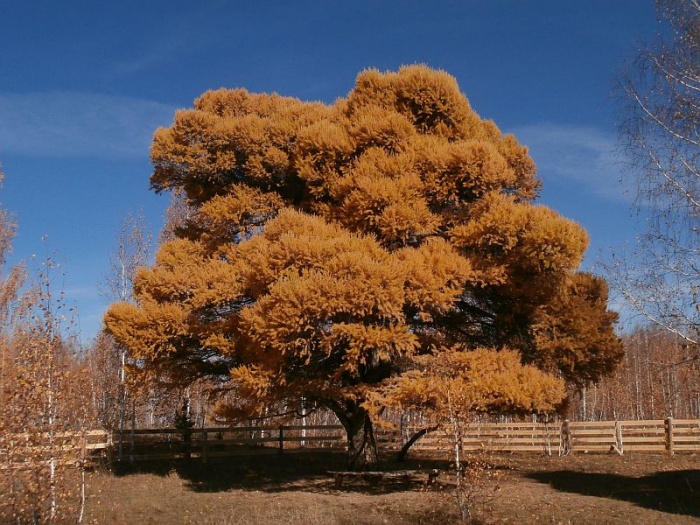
572, 333
430, 100
329, 247
518, 246
454, 383
436, 275
44, 403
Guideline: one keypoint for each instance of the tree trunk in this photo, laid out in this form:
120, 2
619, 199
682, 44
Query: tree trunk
362, 447
404, 450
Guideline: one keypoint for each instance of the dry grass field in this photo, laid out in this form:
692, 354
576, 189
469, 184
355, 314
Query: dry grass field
295, 489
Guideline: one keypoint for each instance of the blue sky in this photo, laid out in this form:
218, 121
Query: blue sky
84, 84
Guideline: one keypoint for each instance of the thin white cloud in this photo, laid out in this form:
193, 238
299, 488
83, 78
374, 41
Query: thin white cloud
583, 154
79, 124
161, 51
81, 292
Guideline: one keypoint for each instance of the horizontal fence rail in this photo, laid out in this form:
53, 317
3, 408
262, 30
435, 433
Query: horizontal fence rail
77, 448
506, 437
212, 442
668, 436
660, 436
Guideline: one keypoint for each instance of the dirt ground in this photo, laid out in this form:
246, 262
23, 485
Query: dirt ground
294, 488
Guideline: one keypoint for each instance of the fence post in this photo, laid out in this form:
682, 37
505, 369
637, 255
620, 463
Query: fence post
668, 430
565, 446
618, 446
547, 438
281, 439
204, 446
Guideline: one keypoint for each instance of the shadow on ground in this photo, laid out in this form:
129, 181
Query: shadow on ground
272, 472
676, 492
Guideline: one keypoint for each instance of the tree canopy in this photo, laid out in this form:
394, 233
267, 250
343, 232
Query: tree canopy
331, 249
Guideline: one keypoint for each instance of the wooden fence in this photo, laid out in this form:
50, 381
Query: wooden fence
668, 436
661, 436
215, 442
26, 450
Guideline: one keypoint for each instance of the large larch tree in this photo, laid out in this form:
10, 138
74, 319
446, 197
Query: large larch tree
330, 248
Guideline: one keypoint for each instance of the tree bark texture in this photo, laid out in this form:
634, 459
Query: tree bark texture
362, 446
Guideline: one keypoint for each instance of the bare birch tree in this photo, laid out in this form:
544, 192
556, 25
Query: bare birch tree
133, 247
657, 378
177, 216
43, 413
660, 130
